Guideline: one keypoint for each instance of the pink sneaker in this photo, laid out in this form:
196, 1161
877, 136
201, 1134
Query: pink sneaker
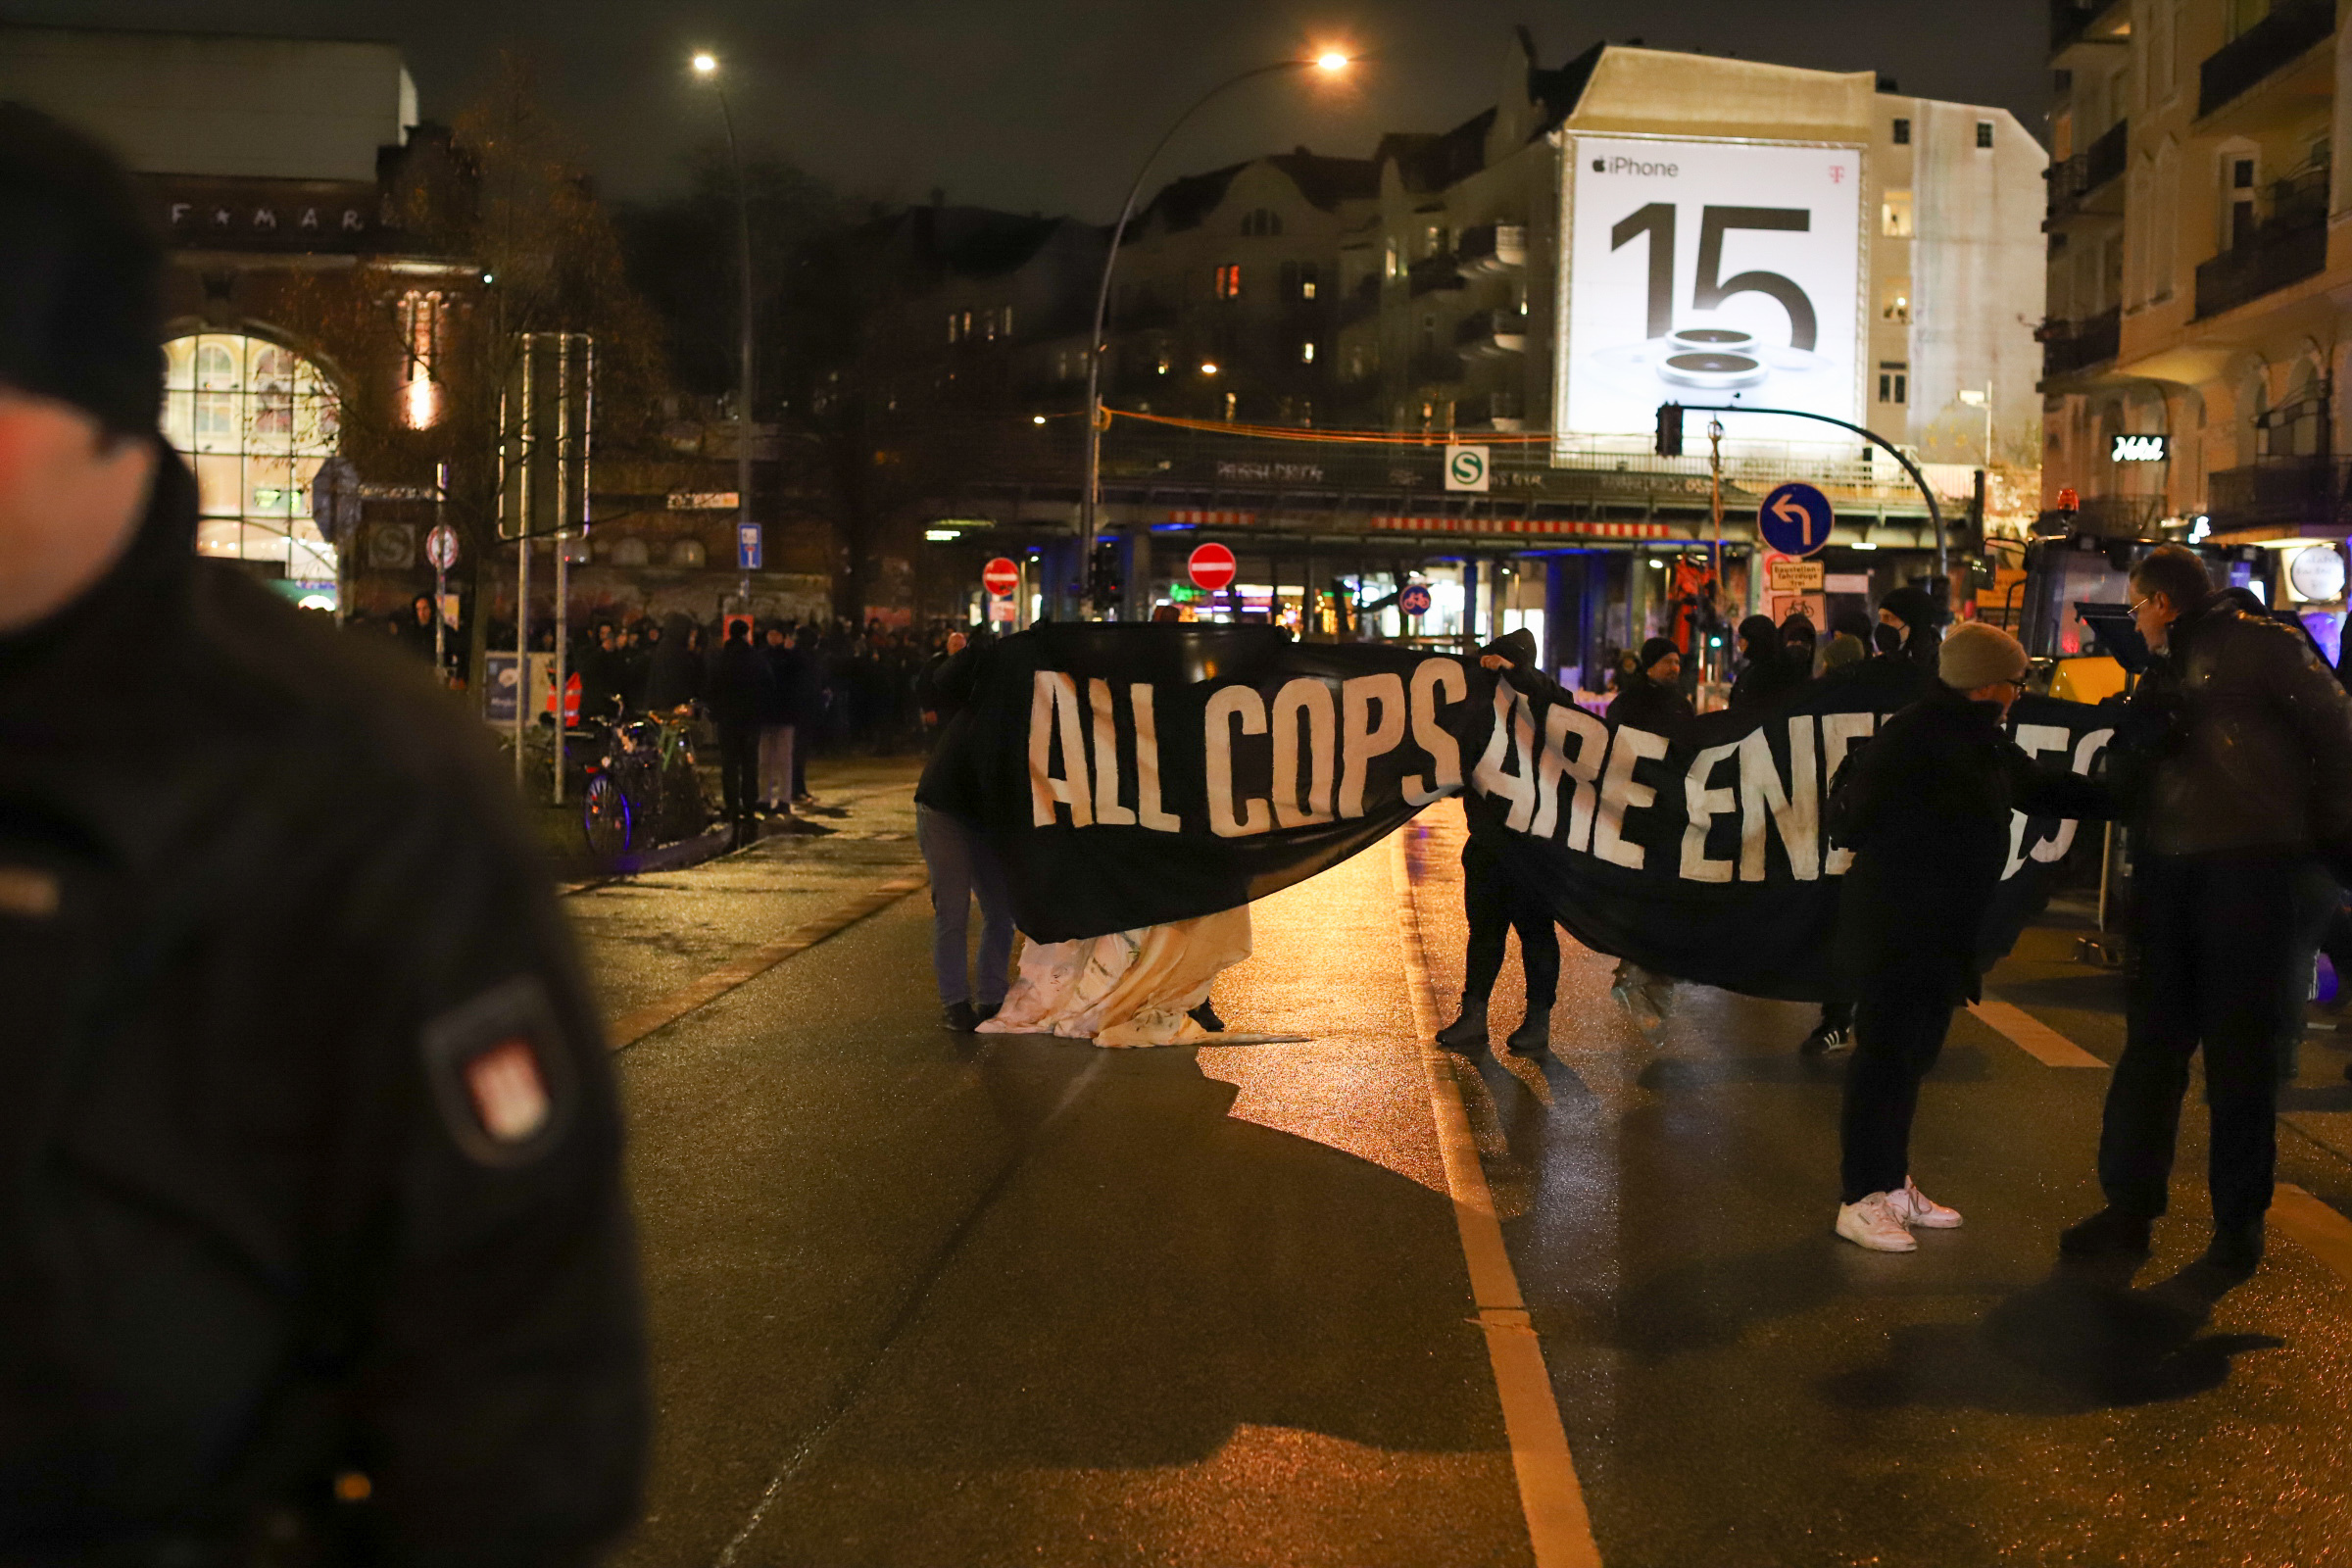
1916, 1209
1873, 1226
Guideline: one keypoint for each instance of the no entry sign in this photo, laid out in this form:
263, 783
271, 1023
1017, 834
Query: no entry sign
1211, 567
1000, 576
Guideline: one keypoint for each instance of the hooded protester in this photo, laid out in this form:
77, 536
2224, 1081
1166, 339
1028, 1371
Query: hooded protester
1926, 808
1799, 642
674, 677
339, 1272
1648, 696
1768, 674
1497, 901
739, 694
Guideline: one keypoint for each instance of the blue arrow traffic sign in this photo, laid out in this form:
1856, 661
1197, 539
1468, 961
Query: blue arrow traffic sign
1794, 519
747, 547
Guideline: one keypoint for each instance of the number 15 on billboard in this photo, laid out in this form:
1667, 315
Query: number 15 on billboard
1710, 271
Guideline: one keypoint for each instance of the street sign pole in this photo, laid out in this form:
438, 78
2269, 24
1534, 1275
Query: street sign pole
1715, 467
1943, 575
440, 574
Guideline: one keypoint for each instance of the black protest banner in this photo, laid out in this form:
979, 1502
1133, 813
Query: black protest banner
1701, 855
1135, 775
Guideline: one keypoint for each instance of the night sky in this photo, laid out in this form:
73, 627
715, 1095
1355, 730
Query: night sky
1047, 104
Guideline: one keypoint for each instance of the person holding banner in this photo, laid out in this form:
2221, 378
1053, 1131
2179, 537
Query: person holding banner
1926, 808
1496, 902
1649, 695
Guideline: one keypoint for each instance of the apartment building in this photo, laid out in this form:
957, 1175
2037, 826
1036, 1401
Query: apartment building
2194, 247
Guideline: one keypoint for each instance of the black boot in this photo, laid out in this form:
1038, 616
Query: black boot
1467, 1034
1206, 1017
2236, 1250
1532, 1037
959, 1016
2109, 1231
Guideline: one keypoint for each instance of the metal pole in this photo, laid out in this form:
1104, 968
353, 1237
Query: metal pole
1934, 513
1091, 478
746, 383
440, 576
523, 692
563, 555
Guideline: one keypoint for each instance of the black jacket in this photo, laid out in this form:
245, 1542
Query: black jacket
310, 1147
741, 685
1765, 680
783, 685
1925, 808
1649, 704
2237, 739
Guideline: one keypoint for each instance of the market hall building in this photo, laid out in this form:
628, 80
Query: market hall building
1632, 227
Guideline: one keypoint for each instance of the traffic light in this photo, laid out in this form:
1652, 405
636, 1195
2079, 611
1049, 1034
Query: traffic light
1670, 429
1102, 585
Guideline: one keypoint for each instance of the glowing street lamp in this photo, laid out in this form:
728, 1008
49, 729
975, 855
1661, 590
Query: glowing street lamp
705, 66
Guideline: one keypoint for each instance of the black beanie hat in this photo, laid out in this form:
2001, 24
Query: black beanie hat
81, 275
1655, 648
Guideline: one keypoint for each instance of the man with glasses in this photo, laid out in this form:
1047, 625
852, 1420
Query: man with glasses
2236, 768
1926, 808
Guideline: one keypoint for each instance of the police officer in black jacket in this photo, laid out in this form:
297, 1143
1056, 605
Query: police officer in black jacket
312, 1243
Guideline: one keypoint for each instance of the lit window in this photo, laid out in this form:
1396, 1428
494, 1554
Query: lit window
1307, 352
952, 333
1894, 300
1229, 281
254, 421
1306, 284
421, 320
1894, 215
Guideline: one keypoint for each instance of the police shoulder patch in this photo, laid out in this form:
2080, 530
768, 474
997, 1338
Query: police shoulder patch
500, 1075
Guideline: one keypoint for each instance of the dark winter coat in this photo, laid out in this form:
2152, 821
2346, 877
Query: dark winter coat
2237, 739
674, 677
741, 688
1925, 808
783, 685
1649, 704
313, 1147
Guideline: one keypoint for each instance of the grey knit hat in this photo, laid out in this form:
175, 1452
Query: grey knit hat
1975, 654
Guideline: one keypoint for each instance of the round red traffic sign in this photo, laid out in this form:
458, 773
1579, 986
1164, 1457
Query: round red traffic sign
1000, 576
1211, 567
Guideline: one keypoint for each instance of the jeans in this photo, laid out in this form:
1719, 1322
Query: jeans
775, 765
963, 866
1496, 901
1898, 1033
2213, 948
739, 769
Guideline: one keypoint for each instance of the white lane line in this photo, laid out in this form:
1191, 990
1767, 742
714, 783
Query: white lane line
1558, 1527
635, 1025
2030, 1034
2318, 1228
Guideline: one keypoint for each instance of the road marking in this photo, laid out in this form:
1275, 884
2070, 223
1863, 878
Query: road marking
1558, 1527
2030, 1034
2318, 1228
635, 1025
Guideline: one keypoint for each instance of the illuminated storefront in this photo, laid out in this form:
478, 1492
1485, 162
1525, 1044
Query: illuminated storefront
254, 420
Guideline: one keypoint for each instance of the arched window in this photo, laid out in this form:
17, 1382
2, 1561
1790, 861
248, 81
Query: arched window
254, 420
630, 551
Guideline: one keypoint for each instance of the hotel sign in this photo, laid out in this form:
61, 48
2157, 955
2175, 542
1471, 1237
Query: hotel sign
201, 213
2138, 449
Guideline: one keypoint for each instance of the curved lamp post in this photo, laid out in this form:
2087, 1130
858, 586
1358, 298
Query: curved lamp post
1331, 63
705, 66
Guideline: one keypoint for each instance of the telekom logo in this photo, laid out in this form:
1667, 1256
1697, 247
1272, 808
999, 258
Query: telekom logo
1837, 174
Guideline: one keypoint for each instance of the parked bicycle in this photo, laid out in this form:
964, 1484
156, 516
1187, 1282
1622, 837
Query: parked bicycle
640, 786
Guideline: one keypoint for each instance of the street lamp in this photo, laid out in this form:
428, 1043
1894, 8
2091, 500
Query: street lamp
705, 66
1329, 62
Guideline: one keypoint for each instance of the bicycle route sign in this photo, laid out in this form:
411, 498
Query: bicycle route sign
1414, 601
1795, 518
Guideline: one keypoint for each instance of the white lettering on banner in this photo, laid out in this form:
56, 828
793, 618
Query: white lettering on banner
1795, 811
1701, 806
1619, 794
2033, 740
1226, 704
2053, 849
1147, 763
1361, 740
1514, 735
1309, 698
1053, 715
1443, 751
1592, 743
1838, 732
1108, 810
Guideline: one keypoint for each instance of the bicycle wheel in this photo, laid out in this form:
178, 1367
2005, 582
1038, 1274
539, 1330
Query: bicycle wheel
606, 819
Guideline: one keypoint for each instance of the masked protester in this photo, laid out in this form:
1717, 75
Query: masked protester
1799, 642
1925, 808
1767, 675
2235, 758
328, 1273
1496, 900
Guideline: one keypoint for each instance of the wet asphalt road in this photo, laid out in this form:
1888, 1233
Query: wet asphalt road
928, 1300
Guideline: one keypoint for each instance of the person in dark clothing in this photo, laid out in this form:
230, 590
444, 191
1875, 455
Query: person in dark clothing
1910, 612
739, 694
810, 706
1768, 675
673, 677
2234, 760
776, 723
963, 867
333, 1272
1926, 808
1798, 643
1648, 696
1496, 899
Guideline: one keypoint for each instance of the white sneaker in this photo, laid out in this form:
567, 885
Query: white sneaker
1873, 1225
1915, 1208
